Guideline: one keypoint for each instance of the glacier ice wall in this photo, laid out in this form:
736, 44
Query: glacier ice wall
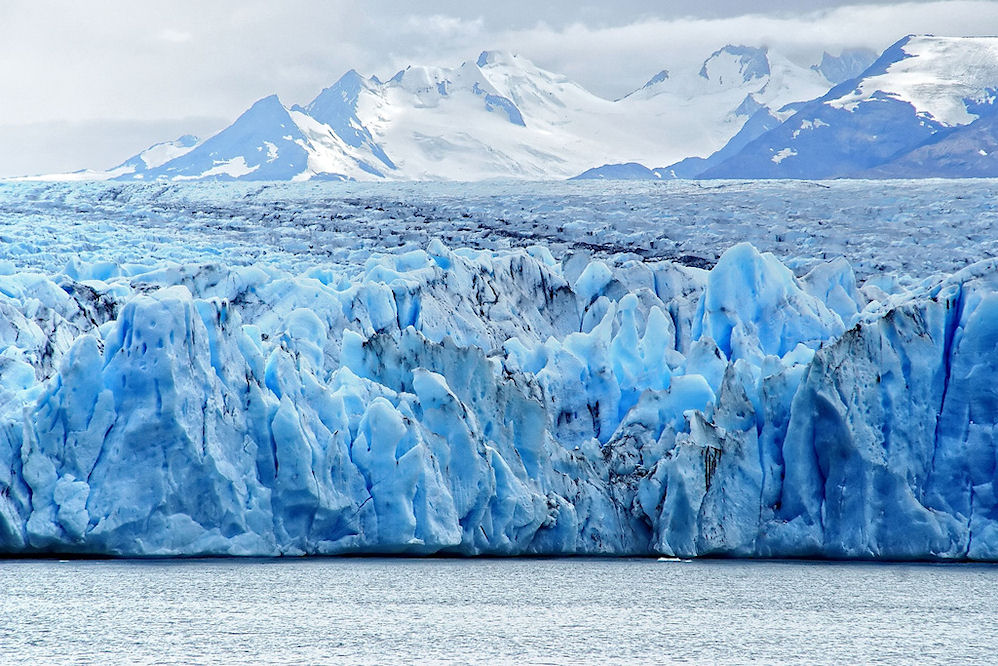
477, 402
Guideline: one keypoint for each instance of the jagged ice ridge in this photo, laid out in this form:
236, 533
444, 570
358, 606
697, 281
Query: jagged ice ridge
498, 402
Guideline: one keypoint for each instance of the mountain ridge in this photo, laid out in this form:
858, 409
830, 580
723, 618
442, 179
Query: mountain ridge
921, 109
746, 112
919, 87
496, 116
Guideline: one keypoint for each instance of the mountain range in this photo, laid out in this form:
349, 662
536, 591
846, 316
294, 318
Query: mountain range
924, 107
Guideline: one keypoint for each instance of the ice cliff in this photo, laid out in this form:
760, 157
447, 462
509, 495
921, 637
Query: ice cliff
477, 402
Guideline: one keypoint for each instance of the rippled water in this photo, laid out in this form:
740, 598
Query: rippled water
457, 611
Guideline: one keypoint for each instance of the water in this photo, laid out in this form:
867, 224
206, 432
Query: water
459, 611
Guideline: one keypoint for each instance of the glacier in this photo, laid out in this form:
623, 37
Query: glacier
499, 401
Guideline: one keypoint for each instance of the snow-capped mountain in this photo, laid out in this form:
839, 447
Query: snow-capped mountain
499, 116
915, 94
698, 112
156, 156
849, 64
264, 143
737, 95
745, 112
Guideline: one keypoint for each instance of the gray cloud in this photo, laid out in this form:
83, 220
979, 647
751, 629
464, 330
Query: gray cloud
131, 70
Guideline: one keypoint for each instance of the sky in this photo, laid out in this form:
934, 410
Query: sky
88, 84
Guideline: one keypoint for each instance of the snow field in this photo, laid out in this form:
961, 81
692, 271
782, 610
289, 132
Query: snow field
891, 232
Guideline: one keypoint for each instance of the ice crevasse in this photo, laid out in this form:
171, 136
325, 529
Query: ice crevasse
475, 402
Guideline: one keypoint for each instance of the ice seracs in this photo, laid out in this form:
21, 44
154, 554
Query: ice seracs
497, 402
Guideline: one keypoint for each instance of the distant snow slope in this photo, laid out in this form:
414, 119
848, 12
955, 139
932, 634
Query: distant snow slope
737, 95
941, 77
155, 156
498, 116
745, 112
698, 112
915, 93
849, 64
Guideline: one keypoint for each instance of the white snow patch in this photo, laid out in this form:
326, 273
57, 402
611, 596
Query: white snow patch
808, 125
939, 74
86, 175
161, 153
783, 154
235, 167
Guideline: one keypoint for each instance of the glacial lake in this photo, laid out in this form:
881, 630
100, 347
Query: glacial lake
494, 610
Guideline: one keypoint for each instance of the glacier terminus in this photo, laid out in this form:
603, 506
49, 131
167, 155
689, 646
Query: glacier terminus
486, 398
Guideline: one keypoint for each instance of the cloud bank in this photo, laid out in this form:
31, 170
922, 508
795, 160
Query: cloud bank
106, 62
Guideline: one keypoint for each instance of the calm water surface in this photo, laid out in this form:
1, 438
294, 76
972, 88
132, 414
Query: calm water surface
459, 611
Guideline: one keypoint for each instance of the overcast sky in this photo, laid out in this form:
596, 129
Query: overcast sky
87, 84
